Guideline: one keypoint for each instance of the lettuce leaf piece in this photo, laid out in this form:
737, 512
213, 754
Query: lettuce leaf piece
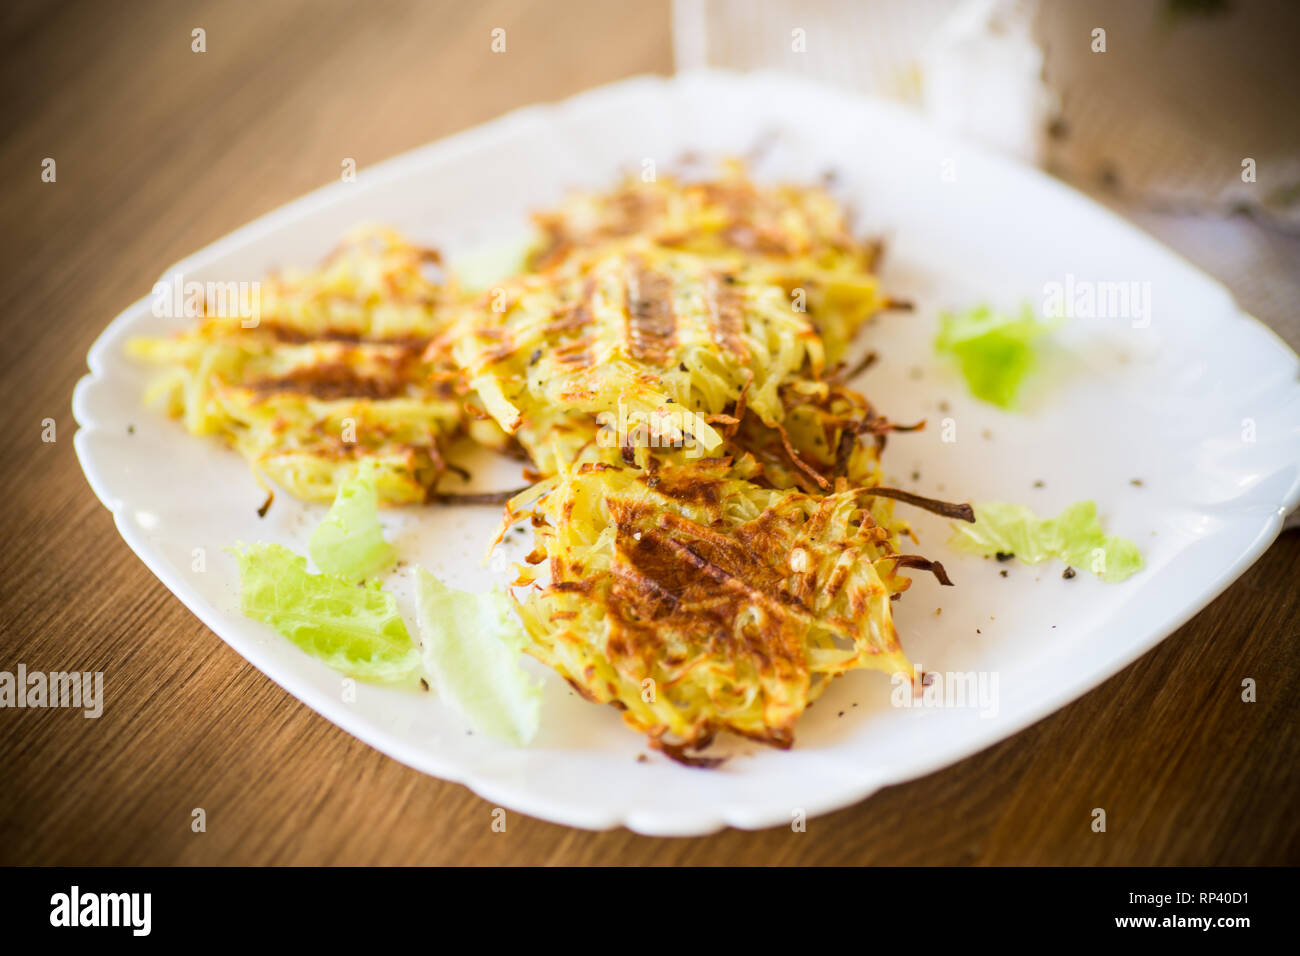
472, 644
349, 542
1075, 536
354, 629
994, 351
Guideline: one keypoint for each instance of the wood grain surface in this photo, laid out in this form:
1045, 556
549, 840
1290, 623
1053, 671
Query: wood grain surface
161, 150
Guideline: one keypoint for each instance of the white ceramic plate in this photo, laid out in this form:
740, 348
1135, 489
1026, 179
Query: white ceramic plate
1200, 403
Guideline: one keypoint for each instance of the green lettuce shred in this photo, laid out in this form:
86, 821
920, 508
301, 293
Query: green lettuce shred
1075, 537
472, 644
354, 629
349, 542
994, 351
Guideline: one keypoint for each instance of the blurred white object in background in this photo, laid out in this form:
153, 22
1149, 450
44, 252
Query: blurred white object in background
870, 47
982, 76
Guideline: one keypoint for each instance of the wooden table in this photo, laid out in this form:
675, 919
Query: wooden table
159, 151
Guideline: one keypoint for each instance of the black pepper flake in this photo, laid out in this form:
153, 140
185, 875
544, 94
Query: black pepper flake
1038, 484
532, 359
130, 429
681, 367
1067, 574
916, 476
841, 713
1004, 555
424, 684
1003, 572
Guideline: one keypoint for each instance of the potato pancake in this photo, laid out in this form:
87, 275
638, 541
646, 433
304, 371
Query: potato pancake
696, 603
646, 338
797, 236
336, 370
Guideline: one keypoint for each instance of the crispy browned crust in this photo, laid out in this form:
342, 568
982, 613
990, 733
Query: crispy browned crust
958, 512
707, 604
742, 218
